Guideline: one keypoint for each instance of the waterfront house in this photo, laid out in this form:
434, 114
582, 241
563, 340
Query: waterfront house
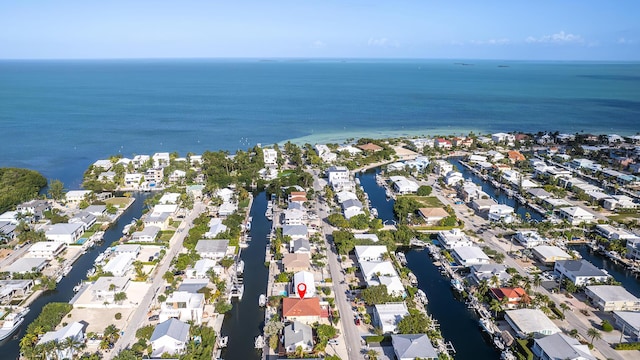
154, 176
270, 156
512, 295
548, 254
306, 278
193, 286
293, 262
325, 153
500, 212
561, 347
169, 199
396, 166
140, 160
576, 215
530, 238
103, 164
495, 156
201, 269
132, 180
148, 234
294, 216
161, 159
453, 238
212, 249
227, 208
482, 205
14, 290
612, 298
470, 255
46, 249
488, 271
10, 217
300, 246
162, 220
69, 233
351, 208
453, 178
419, 164
539, 193
215, 227
295, 231
177, 176
369, 147
413, 346
184, 306
442, 167
119, 265
619, 202
402, 185
297, 334
26, 265
433, 215
96, 210
370, 252
298, 197
343, 196
387, 316
633, 248
503, 138
106, 287
470, 191
525, 322
132, 249
442, 143
382, 273
629, 323
337, 174
225, 194
307, 311
579, 272
77, 196
169, 337
84, 218
464, 142
35, 209
74, 330
351, 150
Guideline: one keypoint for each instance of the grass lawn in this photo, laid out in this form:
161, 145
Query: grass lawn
624, 217
165, 236
285, 173
427, 201
118, 201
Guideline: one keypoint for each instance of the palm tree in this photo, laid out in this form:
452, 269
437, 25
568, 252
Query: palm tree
495, 306
494, 281
593, 333
372, 354
74, 345
299, 353
564, 307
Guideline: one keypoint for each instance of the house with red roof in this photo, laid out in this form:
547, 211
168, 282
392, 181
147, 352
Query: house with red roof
514, 296
307, 310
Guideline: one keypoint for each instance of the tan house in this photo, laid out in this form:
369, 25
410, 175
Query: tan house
294, 262
433, 215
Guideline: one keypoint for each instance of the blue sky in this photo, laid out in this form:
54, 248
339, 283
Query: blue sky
472, 29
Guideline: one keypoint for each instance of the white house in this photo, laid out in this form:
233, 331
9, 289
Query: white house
561, 347
212, 249
68, 233
306, 278
201, 267
402, 185
270, 156
119, 265
387, 316
413, 346
529, 238
183, 306
530, 321
500, 212
550, 254
76, 196
370, 252
106, 287
629, 322
337, 173
295, 231
297, 334
576, 215
132, 249
215, 227
161, 159
132, 180
169, 337
453, 238
325, 153
343, 196
612, 298
488, 271
74, 330
503, 137
47, 249
453, 178
580, 272
177, 175
148, 234
442, 167
351, 208
470, 255
140, 160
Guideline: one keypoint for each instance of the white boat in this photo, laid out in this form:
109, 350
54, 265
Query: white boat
240, 267
66, 270
374, 212
421, 297
77, 287
125, 230
243, 245
412, 278
91, 272
507, 355
498, 343
12, 322
222, 341
487, 325
262, 301
99, 259
259, 343
402, 259
59, 278
456, 284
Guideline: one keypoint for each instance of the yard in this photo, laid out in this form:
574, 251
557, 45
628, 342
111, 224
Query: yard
118, 202
427, 201
621, 218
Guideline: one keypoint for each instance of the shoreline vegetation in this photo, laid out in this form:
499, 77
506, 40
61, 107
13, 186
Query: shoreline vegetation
19, 185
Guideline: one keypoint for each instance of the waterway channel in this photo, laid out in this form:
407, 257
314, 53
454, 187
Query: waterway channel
64, 290
627, 279
458, 324
245, 321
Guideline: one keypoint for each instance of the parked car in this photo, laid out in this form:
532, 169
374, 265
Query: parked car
333, 342
357, 321
154, 317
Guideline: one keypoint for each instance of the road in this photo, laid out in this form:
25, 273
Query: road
139, 316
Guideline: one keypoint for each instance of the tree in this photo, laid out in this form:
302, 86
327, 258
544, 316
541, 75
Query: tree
594, 334
372, 354
376, 294
424, 190
299, 353
606, 326
56, 189
120, 297
414, 323
495, 306
326, 332
499, 258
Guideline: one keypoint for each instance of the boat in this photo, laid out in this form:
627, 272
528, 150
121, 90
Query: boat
498, 343
487, 325
421, 297
100, 258
456, 284
59, 278
412, 278
240, 267
12, 322
125, 230
222, 341
91, 272
402, 259
243, 245
388, 193
262, 301
507, 355
374, 212
78, 287
66, 270
259, 343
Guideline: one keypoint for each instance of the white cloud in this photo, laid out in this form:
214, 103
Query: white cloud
382, 42
557, 38
625, 41
318, 44
502, 41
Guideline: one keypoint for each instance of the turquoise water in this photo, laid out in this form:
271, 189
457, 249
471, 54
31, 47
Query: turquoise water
59, 116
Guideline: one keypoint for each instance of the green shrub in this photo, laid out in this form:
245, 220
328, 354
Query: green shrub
524, 349
118, 316
606, 326
627, 346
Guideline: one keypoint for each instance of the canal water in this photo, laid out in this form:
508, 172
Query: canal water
498, 195
245, 321
64, 291
457, 323
628, 280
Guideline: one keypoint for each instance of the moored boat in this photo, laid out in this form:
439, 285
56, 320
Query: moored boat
259, 343
12, 322
222, 341
262, 301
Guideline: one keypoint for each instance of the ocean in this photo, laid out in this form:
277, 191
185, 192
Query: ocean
58, 117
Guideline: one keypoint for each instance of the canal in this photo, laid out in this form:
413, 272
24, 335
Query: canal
627, 279
458, 324
64, 291
245, 321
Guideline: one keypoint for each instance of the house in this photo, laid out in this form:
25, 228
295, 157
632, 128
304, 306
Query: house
294, 216
343, 196
482, 205
148, 234
215, 227
508, 295
387, 316
270, 156
462, 142
162, 220
633, 248
612, 298
413, 346
515, 156
561, 347
470, 191
297, 334
453, 178
325, 153
453, 238
193, 286
183, 306
351, 150
212, 249
74, 331
195, 191
103, 164
77, 196
161, 159
177, 176
488, 271
629, 322
169, 337
227, 208
295, 231
133, 180
613, 233
106, 287
299, 197
576, 215
495, 156
201, 269
119, 265
84, 218
132, 249
370, 252
26, 265
47, 249
382, 273
36, 208
154, 176
530, 238
306, 278
530, 321
293, 262
580, 272
549, 254
337, 173
140, 160
351, 208
442, 143
539, 193
503, 137
12, 290
96, 210
402, 185
307, 311
501, 212
300, 246
470, 255
442, 167
619, 202
369, 147
69, 233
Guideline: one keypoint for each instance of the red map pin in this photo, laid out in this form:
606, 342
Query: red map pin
302, 289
